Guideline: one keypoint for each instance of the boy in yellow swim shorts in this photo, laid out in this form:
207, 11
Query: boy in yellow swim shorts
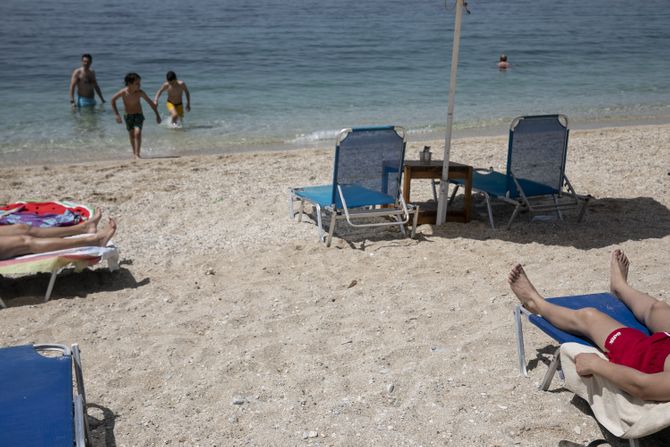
175, 90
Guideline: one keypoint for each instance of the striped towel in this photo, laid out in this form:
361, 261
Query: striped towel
79, 258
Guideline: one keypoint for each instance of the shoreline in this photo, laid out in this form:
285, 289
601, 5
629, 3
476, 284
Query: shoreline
414, 138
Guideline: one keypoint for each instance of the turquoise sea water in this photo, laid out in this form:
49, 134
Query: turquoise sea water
278, 73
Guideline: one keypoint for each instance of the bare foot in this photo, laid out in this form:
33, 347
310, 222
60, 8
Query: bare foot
106, 234
618, 271
524, 289
91, 225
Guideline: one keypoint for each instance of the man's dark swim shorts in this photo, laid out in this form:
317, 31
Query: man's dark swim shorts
134, 120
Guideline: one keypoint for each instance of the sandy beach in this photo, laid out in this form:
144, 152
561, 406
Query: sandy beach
228, 324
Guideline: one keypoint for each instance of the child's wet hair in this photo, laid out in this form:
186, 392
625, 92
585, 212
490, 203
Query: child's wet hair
171, 76
131, 78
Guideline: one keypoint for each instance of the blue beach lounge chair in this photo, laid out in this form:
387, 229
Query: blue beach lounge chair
535, 180
623, 415
366, 182
38, 406
604, 302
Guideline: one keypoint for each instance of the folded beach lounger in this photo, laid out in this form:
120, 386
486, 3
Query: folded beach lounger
535, 180
366, 182
623, 415
55, 261
39, 406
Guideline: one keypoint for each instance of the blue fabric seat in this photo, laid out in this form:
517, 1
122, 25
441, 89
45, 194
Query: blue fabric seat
37, 405
604, 302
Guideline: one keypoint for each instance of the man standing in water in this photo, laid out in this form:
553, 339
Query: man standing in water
83, 79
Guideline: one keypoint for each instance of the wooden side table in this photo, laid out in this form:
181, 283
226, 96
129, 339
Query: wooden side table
415, 169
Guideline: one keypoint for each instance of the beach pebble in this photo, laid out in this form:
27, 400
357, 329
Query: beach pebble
309, 434
210, 271
239, 400
390, 387
232, 419
578, 429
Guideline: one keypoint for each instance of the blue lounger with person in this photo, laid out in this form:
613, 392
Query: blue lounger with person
604, 302
38, 404
624, 416
366, 183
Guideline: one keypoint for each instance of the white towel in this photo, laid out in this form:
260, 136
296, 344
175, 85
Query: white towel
623, 415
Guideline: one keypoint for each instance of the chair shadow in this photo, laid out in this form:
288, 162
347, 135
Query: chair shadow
29, 290
625, 220
631, 219
102, 430
543, 356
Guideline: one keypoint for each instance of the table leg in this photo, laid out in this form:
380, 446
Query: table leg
406, 182
467, 199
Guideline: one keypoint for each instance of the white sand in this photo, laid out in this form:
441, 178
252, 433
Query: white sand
222, 299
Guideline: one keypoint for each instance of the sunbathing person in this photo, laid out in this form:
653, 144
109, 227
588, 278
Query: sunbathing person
639, 364
87, 226
17, 240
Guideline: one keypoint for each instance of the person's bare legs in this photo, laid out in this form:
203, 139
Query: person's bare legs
138, 141
88, 226
11, 246
654, 313
131, 137
135, 135
588, 322
174, 116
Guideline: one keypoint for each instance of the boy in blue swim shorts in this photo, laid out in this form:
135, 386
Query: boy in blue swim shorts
133, 116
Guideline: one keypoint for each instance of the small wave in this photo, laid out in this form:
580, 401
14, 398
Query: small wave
316, 136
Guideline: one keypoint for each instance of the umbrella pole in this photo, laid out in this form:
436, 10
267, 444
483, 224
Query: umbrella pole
444, 182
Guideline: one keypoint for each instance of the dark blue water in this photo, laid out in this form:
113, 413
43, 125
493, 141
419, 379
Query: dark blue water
272, 73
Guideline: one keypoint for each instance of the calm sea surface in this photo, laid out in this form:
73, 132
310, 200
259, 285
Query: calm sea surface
280, 73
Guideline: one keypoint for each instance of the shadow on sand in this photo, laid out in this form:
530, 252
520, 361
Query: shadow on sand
101, 430
607, 222
29, 290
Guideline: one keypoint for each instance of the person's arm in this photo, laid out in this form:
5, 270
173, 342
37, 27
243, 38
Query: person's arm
97, 87
114, 109
73, 83
160, 91
655, 387
188, 97
153, 106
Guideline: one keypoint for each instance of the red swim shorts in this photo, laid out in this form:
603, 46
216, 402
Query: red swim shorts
630, 347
